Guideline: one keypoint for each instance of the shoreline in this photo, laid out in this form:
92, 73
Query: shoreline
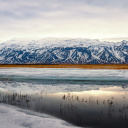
82, 66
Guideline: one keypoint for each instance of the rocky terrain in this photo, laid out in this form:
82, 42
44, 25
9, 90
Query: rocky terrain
63, 51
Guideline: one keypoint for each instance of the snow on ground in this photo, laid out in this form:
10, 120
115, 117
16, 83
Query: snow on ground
13, 117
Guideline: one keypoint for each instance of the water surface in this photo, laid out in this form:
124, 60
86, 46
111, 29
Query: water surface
86, 98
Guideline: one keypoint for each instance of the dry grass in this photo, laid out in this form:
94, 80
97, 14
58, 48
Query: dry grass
84, 66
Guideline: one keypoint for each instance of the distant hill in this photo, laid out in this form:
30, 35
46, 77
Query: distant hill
63, 51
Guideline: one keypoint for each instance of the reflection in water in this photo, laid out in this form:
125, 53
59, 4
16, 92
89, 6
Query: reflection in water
104, 108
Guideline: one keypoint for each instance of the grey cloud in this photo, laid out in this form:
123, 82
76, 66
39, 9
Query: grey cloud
60, 9
30, 9
17, 15
106, 3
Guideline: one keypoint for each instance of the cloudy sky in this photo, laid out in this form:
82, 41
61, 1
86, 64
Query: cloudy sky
96, 19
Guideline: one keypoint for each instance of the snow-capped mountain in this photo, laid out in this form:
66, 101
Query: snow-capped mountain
63, 51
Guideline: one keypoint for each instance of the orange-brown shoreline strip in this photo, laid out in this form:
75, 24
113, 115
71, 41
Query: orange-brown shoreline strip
84, 66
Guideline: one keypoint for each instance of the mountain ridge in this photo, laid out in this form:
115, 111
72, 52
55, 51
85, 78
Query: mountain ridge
63, 51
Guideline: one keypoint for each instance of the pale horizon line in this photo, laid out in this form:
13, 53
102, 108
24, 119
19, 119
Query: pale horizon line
118, 39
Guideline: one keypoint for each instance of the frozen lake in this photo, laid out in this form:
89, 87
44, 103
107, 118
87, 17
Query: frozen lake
86, 98
60, 80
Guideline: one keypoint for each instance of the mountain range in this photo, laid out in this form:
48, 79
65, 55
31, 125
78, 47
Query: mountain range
63, 51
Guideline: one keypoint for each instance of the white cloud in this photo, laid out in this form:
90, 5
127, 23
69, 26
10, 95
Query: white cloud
83, 18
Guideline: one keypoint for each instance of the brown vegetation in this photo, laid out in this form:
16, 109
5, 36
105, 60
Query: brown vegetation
84, 66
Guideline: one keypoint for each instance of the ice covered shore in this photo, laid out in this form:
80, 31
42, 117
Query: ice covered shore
13, 117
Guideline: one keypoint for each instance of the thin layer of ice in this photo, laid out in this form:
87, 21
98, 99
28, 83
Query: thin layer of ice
60, 80
64, 73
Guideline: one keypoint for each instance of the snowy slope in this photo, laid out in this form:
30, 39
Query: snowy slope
13, 117
59, 51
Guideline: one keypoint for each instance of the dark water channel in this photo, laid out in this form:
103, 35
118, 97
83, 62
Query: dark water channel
103, 108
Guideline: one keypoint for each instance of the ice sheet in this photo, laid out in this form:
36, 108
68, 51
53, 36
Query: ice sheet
13, 117
63, 73
60, 80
